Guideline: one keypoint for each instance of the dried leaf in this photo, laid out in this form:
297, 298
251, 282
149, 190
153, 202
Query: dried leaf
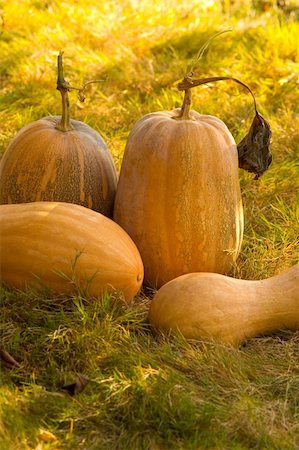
8, 360
77, 386
254, 149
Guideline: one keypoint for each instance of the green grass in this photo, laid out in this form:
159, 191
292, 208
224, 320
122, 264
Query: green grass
145, 391
150, 391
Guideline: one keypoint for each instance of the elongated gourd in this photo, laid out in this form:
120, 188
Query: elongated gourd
229, 310
65, 246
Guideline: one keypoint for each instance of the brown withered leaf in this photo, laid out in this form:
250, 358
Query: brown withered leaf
77, 386
254, 149
8, 360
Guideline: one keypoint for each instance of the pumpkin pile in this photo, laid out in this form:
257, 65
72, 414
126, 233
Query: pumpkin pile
177, 218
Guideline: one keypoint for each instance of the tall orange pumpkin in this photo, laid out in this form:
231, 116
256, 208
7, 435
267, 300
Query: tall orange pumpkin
59, 159
178, 194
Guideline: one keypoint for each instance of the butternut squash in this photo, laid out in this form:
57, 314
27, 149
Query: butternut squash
65, 246
229, 310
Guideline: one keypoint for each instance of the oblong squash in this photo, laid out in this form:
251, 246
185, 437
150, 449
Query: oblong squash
43, 163
214, 306
178, 195
63, 246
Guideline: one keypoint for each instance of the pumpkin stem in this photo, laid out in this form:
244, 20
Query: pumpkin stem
185, 109
64, 87
188, 83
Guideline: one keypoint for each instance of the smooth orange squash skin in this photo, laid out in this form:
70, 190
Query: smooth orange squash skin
43, 240
45, 164
213, 306
178, 195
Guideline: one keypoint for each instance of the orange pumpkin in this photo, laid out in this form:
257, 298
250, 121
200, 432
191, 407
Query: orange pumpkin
59, 159
178, 194
66, 247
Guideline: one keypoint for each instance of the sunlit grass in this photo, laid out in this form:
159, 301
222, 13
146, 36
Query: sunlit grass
148, 391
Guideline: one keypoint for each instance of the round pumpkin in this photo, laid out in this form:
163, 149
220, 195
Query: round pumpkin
43, 163
67, 247
178, 195
59, 159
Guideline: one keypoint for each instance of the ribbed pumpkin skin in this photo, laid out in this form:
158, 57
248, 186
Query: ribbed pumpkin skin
217, 307
41, 239
178, 195
45, 164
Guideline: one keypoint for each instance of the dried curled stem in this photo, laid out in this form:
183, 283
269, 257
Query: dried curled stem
63, 87
81, 90
189, 83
